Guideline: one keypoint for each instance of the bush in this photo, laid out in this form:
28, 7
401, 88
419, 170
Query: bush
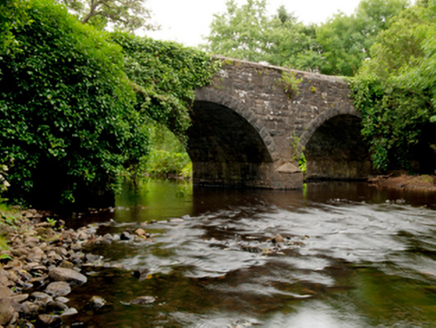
67, 116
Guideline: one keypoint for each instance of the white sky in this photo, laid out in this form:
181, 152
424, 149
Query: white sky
186, 21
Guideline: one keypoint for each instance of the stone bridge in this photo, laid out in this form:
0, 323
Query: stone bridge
248, 130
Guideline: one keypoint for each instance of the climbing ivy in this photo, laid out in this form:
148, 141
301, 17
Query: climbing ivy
165, 76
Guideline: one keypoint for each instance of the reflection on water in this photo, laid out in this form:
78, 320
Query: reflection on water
353, 256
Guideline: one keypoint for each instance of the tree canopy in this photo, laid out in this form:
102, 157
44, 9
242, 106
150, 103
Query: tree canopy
345, 40
127, 15
396, 88
336, 47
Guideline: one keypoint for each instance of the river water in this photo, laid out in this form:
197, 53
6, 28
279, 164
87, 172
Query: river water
352, 256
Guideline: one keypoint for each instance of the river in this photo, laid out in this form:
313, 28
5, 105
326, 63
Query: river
352, 256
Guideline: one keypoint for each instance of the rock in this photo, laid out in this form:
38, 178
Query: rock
47, 320
70, 311
140, 232
58, 288
107, 238
92, 258
62, 251
141, 274
19, 298
176, 220
142, 300
6, 311
97, 302
42, 297
30, 310
62, 299
5, 292
278, 239
54, 256
56, 307
76, 247
20, 251
64, 274
66, 264
82, 235
126, 236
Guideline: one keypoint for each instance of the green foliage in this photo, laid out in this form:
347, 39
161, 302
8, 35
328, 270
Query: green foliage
71, 120
289, 43
247, 33
128, 15
302, 163
168, 156
290, 83
4, 184
67, 115
238, 33
337, 47
346, 40
12, 16
165, 76
396, 89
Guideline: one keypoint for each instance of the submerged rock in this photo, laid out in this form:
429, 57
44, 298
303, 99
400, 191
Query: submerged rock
46, 320
278, 239
97, 302
142, 300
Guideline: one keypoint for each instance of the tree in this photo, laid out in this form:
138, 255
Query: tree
396, 89
346, 40
291, 43
247, 33
128, 15
68, 126
240, 32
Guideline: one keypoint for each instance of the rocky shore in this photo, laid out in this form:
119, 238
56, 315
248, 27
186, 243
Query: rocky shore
42, 265
425, 183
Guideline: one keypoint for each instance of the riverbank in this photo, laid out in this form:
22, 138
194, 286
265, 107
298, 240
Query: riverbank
405, 182
41, 263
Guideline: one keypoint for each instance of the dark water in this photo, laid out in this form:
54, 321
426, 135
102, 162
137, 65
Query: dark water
353, 256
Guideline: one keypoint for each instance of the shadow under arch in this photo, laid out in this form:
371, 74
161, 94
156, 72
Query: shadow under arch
334, 147
227, 144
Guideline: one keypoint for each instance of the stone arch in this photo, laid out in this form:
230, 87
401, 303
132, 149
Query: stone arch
334, 147
221, 98
227, 143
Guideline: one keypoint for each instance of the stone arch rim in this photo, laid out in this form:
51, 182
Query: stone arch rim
321, 119
213, 96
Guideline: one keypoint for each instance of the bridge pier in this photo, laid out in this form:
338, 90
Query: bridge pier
242, 175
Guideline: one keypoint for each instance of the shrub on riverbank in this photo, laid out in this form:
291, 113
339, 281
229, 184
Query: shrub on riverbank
67, 117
